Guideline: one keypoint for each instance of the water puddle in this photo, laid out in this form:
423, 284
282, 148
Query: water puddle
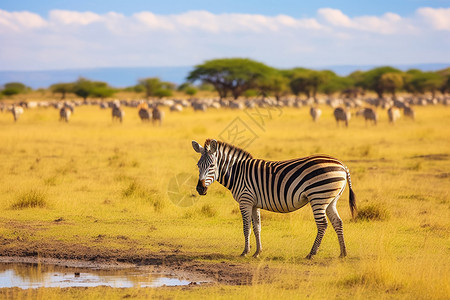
24, 275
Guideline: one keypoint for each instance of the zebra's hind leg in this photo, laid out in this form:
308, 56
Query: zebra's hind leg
322, 223
336, 221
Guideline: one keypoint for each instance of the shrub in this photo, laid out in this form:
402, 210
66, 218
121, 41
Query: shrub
373, 212
30, 199
208, 211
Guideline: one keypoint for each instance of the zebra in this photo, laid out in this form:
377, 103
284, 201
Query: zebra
315, 113
278, 186
369, 114
117, 112
341, 114
144, 114
157, 115
64, 114
17, 111
408, 111
393, 114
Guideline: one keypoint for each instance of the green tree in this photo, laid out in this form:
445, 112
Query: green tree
85, 88
273, 82
417, 81
372, 80
299, 81
62, 88
230, 75
391, 82
154, 87
14, 88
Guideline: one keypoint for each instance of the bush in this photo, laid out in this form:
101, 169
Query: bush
373, 212
30, 199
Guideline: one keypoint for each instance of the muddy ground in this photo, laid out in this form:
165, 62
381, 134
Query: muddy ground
211, 268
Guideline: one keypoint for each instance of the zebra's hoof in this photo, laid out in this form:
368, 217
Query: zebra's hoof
256, 255
309, 256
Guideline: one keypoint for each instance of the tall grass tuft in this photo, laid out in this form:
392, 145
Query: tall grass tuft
373, 212
138, 191
30, 199
208, 211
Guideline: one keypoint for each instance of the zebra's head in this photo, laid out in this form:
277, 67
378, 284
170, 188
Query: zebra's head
207, 165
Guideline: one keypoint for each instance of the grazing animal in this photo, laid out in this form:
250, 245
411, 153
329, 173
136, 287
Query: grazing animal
199, 106
370, 114
64, 114
176, 107
17, 111
144, 114
408, 111
315, 113
341, 114
278, 186
393, 114
117, 112
157, 115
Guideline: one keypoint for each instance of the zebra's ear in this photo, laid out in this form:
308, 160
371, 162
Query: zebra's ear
212, 146
197, 147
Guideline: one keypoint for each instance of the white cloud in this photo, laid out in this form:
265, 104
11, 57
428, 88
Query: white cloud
66, 17
21, 20
438, 18
70, 39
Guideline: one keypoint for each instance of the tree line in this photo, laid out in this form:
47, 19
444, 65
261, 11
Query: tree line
237, 77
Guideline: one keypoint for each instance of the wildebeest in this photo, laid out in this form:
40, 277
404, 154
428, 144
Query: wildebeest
393, 114
341, 114
17, 111
408, 111
64, 114
315, 113
117, 112
157, 115
369, 114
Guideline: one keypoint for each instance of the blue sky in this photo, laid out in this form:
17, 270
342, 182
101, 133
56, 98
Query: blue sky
39, 35
295, 8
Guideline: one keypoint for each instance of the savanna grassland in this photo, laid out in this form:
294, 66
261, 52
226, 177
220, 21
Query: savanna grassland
97, 190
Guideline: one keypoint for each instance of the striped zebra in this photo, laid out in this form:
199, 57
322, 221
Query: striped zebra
393, 114
17, 111
315, 113
278, 186
64, 114
117, 112
341, 114
144, 114
157, 115
369, 114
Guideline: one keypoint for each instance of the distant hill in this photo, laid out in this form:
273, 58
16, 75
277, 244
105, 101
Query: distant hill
123, 77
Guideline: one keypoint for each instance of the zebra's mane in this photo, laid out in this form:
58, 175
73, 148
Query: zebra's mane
225, 147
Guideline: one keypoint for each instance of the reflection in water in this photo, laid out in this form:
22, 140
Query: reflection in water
36, 275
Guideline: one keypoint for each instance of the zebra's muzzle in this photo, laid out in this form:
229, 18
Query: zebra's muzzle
201, 189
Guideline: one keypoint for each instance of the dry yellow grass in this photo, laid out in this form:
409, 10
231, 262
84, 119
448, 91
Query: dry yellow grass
112, 180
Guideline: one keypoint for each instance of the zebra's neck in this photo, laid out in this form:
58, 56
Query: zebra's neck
229, 162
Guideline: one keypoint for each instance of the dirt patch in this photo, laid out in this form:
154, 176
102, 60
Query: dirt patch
196, 267
439, 156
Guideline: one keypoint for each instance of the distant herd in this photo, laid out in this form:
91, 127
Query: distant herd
150, 110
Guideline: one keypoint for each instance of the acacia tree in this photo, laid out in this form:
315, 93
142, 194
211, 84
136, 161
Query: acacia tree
13, 88
372, 80
417, 81
154, 87
62, 88
391, 82
230, 75
85, 88
273, 82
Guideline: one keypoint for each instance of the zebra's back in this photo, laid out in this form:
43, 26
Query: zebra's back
285, 186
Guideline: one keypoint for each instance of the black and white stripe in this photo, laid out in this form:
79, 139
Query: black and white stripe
278, 186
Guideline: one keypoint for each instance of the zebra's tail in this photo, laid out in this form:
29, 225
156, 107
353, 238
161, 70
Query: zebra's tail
351, 196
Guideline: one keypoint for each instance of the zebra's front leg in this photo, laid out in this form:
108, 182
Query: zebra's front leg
256, 220
246, 212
